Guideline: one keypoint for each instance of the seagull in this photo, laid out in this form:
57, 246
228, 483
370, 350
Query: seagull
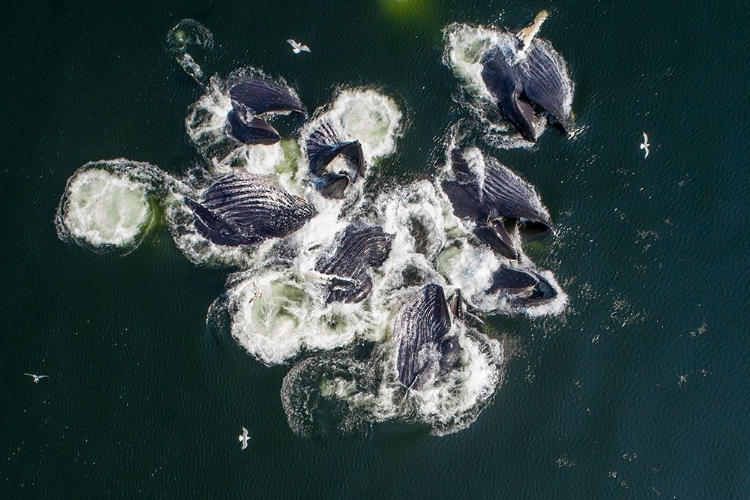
36, 378
645, 144
243, 438
298, 47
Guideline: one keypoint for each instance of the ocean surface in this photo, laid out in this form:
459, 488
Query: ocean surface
639, 388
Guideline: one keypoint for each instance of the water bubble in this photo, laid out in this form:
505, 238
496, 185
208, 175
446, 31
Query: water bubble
110, 205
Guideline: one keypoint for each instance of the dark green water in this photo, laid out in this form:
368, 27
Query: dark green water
639, 389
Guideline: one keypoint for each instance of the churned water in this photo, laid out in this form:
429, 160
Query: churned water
160, 346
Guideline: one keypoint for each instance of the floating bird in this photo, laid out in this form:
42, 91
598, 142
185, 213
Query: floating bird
645, 144
298, 47
244, 438
36, 378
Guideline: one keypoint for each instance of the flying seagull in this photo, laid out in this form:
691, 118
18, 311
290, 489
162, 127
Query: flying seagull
36, 378
645, 144
243, 438
298, 47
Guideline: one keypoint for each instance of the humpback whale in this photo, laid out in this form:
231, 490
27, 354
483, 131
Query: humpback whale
499, 194
526, 74
522, 287
256, 96
358, 249
324, 146
421, 332
244, 211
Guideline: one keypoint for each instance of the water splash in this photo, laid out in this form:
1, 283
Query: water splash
183, 35
347, 390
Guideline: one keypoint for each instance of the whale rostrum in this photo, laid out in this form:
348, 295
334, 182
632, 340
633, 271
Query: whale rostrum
522, 287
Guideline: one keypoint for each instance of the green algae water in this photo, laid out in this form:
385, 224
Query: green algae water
637, 389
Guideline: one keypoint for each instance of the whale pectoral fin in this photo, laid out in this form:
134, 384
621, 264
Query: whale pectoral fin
526, 111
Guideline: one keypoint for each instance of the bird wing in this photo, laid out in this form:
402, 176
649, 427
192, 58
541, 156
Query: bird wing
645, 138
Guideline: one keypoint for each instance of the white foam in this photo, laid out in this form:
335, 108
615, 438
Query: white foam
447, 404
109, 205
278, 313
207, 125
365, 115
407, 209
452, 402
259, 159
465, 46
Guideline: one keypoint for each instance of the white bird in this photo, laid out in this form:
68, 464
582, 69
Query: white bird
645, 144
243, 438
298, 47
36, 378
